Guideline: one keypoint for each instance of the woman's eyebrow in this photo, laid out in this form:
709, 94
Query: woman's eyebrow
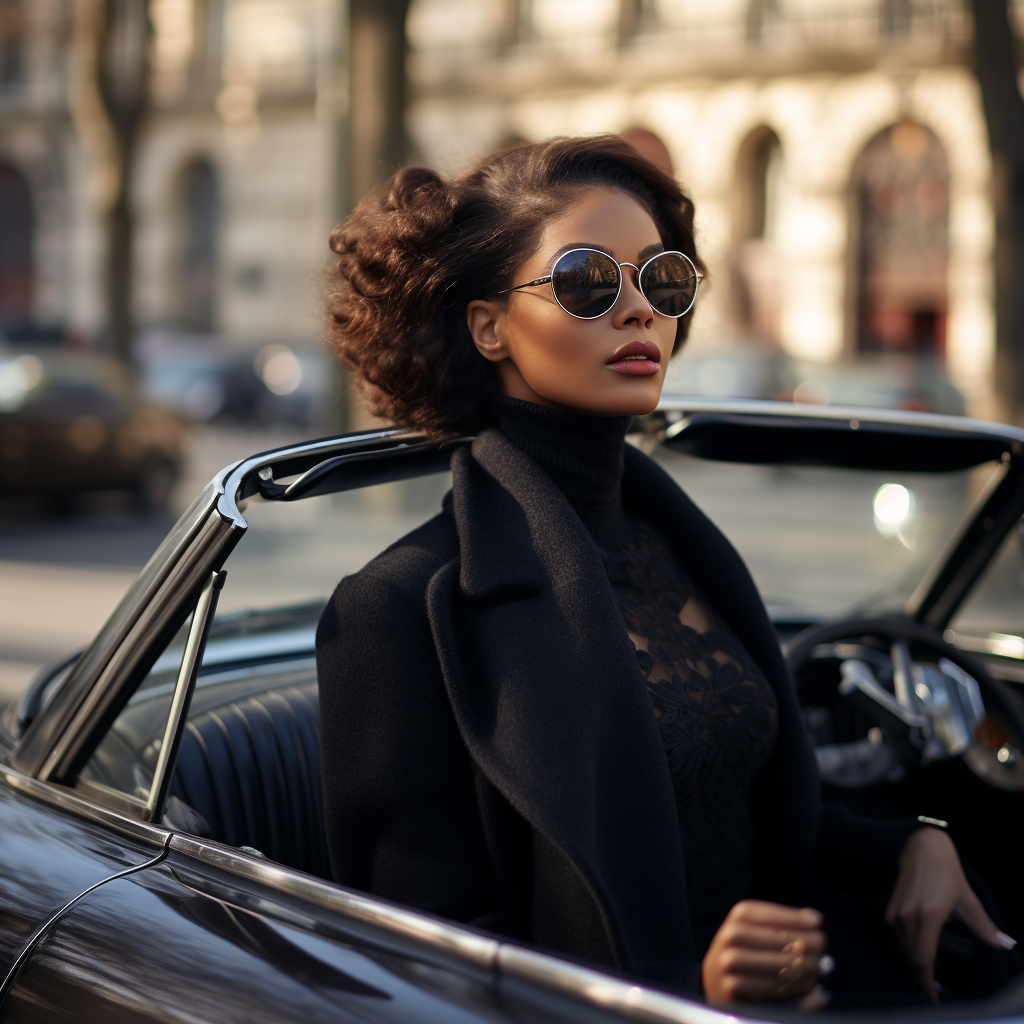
648, 251
550, 265
645, 254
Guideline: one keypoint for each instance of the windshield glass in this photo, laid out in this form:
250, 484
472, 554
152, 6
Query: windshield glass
823, 543
820, 543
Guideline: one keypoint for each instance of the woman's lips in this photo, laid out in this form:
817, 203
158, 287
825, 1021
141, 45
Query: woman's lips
637, 359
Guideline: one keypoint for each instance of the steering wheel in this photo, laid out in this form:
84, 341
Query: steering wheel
940, 705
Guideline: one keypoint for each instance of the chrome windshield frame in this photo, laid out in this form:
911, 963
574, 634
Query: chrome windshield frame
199, 544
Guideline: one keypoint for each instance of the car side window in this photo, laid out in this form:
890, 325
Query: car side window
125, 758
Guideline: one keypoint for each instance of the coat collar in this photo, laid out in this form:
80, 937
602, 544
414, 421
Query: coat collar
501, 500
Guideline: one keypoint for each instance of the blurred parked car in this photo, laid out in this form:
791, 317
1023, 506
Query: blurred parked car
876, 381
218, 379
873, 381
73, 422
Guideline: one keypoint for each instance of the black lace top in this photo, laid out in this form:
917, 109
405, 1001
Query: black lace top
716, 711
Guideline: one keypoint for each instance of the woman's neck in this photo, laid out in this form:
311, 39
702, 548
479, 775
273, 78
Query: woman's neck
583, 455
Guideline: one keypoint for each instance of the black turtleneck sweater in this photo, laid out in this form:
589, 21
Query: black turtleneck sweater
716, 712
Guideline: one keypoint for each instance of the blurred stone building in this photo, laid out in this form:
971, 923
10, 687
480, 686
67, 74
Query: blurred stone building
235, 184
836, 151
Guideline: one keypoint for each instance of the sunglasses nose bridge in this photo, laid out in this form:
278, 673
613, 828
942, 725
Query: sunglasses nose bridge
635, 280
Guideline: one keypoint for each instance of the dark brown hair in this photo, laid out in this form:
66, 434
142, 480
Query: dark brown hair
414, 252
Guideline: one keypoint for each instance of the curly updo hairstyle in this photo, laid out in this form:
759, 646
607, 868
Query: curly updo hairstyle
414, 252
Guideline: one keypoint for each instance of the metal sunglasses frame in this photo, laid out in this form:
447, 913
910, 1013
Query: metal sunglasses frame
549, 279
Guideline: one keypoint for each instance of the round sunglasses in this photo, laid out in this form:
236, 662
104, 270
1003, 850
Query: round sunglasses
586, 283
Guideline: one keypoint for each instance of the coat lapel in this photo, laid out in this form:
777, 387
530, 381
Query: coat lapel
546, 690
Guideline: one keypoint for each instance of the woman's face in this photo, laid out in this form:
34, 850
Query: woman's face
544, 355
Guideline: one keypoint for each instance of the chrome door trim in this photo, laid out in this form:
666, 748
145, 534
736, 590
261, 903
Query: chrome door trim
461, 943
592, 986
67, 800
504, 958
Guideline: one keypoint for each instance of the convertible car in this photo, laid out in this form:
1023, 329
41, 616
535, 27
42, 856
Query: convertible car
162, 851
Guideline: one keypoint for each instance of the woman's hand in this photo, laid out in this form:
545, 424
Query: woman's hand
766, 951
930, 889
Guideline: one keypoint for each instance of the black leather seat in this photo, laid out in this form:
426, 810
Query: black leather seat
251, 768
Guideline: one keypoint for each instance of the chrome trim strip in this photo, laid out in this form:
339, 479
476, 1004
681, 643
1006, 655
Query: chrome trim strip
124, 803
465, 945
206, 608
67, 800
634, 1001
893, 417
1002, 645
37, 935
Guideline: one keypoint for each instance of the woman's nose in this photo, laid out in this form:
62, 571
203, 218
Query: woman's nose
632, 305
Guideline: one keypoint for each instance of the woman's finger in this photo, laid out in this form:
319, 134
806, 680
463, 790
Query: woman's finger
785, 966
751, 936
923, 935
758, 988
972, 913
776, 915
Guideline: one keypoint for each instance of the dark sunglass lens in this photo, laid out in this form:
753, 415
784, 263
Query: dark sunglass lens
586, 282
669, 283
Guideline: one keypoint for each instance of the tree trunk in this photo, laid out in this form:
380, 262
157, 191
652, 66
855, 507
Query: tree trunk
107, 97
996, 69
379, 90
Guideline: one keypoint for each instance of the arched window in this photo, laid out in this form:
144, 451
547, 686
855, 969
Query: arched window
757, 197
901, 192
198, 266
15, 248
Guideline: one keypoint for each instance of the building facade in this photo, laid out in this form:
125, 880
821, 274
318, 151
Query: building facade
235, 182
836, 151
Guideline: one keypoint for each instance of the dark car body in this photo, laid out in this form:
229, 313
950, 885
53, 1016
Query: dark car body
72, 422
162, 855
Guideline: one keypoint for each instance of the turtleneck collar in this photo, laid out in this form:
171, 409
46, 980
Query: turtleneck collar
583, 455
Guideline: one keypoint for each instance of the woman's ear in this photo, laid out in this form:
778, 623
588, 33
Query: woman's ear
486, 322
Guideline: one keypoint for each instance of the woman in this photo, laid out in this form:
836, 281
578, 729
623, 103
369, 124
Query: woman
558, 710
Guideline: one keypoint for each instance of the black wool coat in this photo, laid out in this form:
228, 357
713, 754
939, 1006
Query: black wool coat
489, 751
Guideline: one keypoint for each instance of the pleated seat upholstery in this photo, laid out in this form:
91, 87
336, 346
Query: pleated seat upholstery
251, 768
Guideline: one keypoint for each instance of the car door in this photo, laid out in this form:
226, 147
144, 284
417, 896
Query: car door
56, 842
53, 847
214, 934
